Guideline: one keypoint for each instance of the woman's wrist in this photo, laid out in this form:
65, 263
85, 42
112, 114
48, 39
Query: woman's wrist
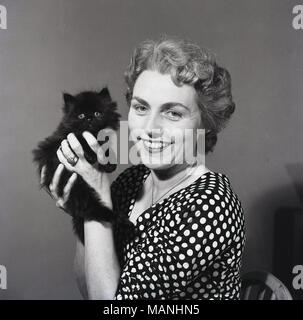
101, 185
93, 178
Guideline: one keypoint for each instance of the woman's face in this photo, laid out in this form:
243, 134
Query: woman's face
159, 113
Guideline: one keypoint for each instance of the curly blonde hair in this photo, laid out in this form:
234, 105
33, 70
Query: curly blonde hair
187, 63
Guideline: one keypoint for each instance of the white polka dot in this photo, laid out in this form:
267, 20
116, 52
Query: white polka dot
192, 240
182, 256
190, 252
207, 228
195, 226
198, 247
202, 220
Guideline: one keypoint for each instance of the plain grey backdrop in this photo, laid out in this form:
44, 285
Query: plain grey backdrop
52, 46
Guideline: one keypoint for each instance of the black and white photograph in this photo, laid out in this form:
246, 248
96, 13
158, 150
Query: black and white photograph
151, 150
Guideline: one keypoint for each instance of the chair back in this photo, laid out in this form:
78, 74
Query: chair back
262, 285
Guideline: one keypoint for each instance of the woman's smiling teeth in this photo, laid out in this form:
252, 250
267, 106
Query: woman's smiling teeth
155, 145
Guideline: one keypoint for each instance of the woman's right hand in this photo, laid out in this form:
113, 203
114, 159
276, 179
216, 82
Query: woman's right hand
53, 187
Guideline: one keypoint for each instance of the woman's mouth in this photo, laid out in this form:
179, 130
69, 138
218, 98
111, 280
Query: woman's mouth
155, 146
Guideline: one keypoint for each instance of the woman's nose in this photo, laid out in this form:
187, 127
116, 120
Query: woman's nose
153, 126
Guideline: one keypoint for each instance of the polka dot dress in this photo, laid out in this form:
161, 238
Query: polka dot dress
187, 246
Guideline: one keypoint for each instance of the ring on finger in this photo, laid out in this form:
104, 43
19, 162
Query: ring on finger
72, 161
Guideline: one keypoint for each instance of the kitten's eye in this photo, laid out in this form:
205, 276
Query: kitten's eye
97, 114
81, 116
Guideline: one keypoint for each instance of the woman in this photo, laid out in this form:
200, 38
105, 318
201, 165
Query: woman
188, 226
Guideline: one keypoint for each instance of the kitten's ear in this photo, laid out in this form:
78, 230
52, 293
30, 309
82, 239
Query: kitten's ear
69, 102
104, 93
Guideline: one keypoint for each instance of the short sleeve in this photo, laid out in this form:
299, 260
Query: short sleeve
210, 231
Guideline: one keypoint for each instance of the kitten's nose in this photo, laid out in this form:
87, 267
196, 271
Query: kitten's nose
89, 119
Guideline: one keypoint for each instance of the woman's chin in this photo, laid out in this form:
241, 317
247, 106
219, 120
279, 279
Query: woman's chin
156, 166
155, 163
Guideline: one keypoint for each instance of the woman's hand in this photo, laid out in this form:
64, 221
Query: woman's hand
53, 187
70, 148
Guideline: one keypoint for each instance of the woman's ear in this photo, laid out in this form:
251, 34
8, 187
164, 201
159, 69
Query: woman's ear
69, 102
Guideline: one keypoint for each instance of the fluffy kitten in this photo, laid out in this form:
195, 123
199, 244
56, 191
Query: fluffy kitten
87, 111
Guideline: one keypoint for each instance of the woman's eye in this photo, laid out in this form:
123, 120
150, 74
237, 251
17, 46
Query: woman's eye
97, 114
81, 116
174, 115
140, 108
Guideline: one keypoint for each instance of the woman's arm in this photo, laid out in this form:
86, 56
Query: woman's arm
79, 269
96, 265
102, 270
101, 266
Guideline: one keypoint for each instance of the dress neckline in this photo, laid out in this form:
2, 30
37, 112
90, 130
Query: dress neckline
145, 173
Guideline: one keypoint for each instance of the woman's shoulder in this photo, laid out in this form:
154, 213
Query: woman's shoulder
216, 183
213, 197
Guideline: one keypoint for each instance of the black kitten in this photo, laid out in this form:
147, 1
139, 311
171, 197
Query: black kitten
87, 111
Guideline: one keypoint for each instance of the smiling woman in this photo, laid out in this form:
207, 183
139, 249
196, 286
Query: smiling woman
188, 235
184, 235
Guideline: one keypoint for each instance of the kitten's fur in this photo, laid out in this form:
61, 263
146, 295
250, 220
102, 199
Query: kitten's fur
83, 203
